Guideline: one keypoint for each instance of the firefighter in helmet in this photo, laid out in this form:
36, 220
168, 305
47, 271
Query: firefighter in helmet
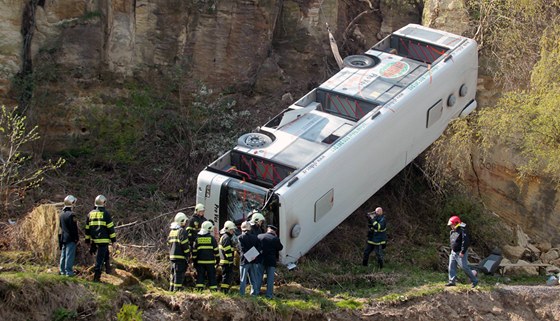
179, 251
227, 248
206, 257
100, 231
194, 224
459, 241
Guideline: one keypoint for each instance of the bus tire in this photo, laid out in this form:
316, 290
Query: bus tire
254, 140
359, 61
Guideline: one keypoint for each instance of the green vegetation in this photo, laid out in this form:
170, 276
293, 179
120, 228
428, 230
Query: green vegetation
129, 312
62, 314
521, 42
17, 173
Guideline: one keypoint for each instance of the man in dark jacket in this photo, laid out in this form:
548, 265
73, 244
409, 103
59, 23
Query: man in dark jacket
227, 249
459, 241
100, 231
178, 251
68, 237
195, 222
377, 237
271, 246
249, 249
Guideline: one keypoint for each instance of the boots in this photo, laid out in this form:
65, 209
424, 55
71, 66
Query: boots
97, 276
380, 264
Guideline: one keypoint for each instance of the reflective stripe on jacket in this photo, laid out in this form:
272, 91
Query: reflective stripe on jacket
205, 250
378, 230
178, 243
226, 249
99, 227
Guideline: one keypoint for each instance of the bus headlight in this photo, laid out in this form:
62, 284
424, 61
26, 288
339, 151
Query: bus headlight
296, 229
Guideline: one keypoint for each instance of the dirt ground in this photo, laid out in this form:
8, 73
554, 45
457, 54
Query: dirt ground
35, 300
515, 303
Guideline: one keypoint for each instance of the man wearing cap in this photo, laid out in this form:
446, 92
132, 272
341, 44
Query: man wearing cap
377, 237
194, 224
271, 246
459, 242
248, 261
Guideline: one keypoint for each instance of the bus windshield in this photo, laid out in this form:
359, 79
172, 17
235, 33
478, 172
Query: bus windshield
241, 199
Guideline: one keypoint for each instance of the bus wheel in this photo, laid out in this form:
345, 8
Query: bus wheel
359, 61
254, 140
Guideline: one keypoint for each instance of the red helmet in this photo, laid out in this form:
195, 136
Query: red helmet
454, 220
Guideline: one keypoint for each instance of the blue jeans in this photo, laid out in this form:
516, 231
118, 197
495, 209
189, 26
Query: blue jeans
67, 255
454, 260
250, 271
269, 270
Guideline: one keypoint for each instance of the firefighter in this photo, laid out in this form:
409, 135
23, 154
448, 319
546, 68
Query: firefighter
100, 231
206, 257
226, 248
377, 237
178, 251
256, 220
68, 237
195, 222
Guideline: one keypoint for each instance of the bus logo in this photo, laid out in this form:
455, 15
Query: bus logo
394, 69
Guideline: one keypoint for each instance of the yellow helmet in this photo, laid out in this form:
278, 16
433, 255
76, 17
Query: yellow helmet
199, 207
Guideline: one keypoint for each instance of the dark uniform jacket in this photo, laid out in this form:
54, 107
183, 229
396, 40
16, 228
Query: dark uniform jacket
205, 250
226, 249
193, 226
246, 241
178, 243
100, 227
377, 230
271, 245
68, 226
459, 239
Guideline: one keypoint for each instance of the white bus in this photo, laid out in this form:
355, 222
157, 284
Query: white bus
320, 159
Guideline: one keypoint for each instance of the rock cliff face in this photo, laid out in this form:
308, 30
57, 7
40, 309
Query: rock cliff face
268, 47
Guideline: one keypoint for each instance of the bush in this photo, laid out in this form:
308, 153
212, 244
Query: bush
129, 312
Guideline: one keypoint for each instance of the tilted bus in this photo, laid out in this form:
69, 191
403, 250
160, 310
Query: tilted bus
315, 163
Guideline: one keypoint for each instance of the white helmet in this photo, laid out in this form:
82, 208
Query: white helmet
257, 217
199, 207
70, 200
180, 218
100, 201
207, 226
229, 226
245, 226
